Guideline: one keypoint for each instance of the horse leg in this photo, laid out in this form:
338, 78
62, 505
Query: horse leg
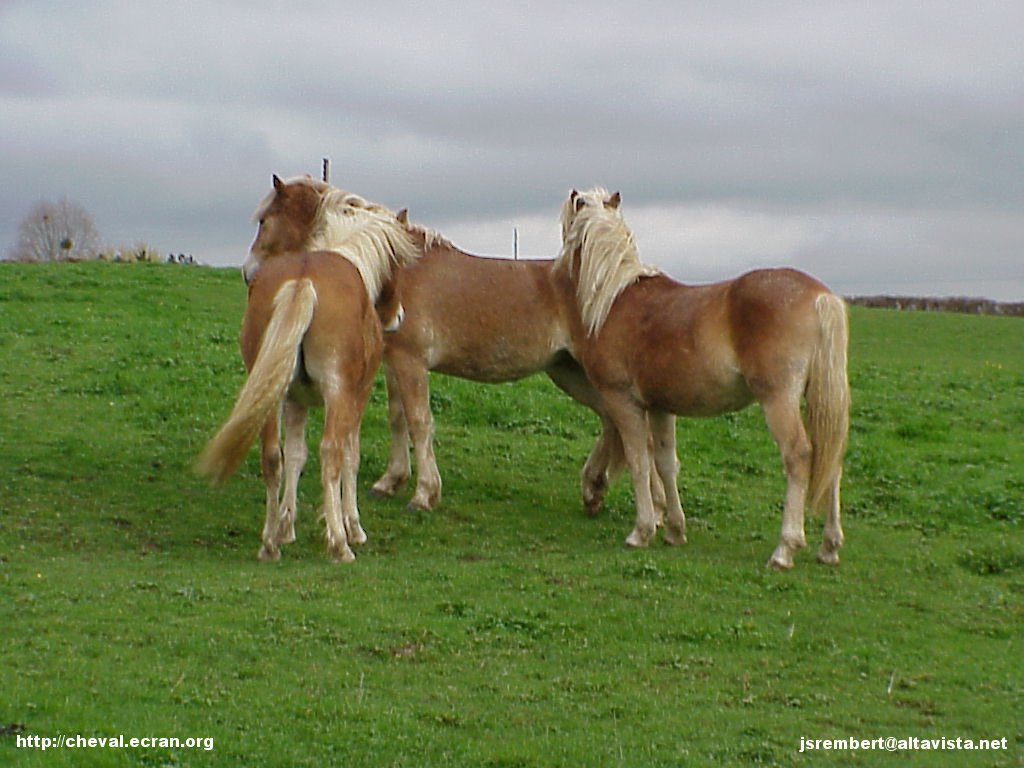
833, 537
782, 413
332, 450
604, 464
631, 421
415, 390
349, 475
270, 465
295, 454
595, 479
663, 436
605, 459
397, 473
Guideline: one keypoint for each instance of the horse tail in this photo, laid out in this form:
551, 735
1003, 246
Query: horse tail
267, 383
828, 398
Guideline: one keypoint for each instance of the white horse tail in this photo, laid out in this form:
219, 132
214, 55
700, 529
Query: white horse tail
267, 383
828, 398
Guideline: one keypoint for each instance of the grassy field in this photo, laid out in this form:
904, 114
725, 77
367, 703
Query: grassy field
505, 628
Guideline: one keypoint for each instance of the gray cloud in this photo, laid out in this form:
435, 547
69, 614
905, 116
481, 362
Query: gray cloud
861, 142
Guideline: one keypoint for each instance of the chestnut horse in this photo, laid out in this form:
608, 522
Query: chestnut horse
653, 347
311, 336
483, 319
487, 320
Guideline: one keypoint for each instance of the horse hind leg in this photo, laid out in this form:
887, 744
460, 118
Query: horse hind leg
333, 448
349, 475
832, 540
786, 425
295, 454
270, 466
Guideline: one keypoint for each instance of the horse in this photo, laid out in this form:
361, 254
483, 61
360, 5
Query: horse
477, 318
487, 320
311, 335
654, 348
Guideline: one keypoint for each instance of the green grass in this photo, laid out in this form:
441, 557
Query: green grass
505, 628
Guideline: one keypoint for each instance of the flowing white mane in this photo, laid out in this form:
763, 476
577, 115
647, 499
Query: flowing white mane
593, 227
367, 234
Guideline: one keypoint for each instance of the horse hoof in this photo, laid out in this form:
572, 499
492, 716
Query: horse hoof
636, 540
828, 557
417, 506
674, 538
344, 555
269, 555
357, 535
779, 563
382, 491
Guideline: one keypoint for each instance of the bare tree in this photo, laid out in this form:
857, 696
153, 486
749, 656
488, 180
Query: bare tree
56, 231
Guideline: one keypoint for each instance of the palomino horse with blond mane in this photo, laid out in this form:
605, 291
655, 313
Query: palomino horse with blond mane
483, 319
311, 335
653, 347
487, 320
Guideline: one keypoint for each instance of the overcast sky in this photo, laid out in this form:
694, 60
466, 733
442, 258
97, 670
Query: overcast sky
879, 146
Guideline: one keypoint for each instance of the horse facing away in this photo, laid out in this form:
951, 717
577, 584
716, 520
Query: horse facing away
653, 347
311, 336
483, 319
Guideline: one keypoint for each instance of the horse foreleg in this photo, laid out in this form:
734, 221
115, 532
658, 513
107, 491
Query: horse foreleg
596, 477
295, 454
605, 459
631, 421
416, 401
398, 470
270, 466
663, 436
783, 417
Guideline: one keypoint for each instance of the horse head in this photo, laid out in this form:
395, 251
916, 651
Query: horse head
303, 214
286, 218
598, 253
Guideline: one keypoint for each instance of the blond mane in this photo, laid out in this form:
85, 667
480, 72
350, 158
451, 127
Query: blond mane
431, 237
367, 234
593, 227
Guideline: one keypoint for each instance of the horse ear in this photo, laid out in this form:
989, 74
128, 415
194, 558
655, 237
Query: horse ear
278, 184
403, 217
614, 201
577, 201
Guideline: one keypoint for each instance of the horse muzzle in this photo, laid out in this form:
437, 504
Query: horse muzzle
396, 321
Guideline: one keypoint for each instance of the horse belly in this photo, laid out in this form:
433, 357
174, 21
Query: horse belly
697, 393
493, 363
481, 354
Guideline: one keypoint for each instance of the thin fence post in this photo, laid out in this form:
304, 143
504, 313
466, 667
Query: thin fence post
515, 243
327, 170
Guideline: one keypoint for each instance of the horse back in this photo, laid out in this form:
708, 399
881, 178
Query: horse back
480, 318
344, 331
707, 349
